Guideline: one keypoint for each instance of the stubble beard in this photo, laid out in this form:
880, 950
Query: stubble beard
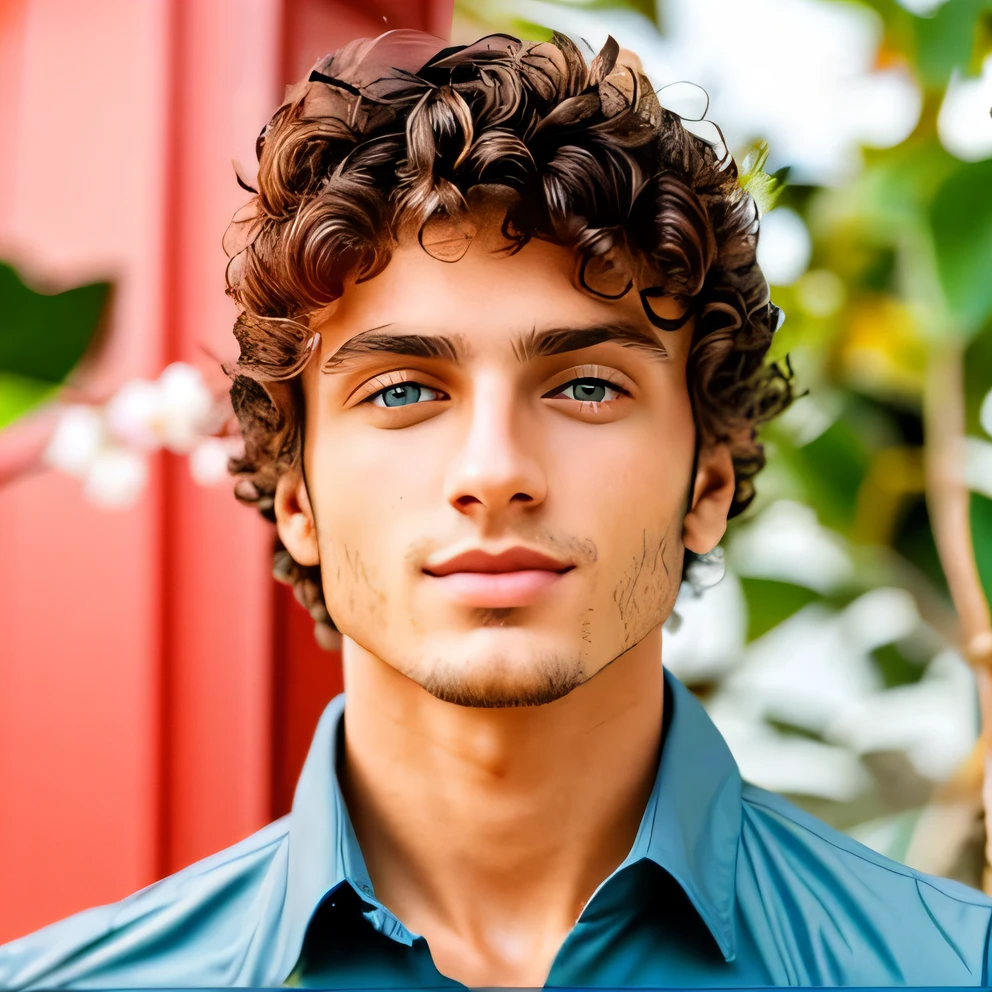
500, 687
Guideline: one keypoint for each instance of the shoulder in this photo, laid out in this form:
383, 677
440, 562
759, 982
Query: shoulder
865, 919
196, 927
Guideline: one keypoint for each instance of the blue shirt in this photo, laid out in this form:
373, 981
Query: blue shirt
725, 885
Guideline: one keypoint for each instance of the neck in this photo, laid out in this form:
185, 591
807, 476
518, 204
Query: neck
491, 828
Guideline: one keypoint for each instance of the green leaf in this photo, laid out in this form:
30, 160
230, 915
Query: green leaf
977, 379
770, 601
18, 394
946, 41
914, 541
961, 222
43, 336
764, 189
895, 668
981, 537
833, 467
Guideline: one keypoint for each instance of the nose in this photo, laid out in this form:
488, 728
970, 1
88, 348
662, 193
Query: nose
496, 464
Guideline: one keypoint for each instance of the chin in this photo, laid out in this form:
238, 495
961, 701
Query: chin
496, 676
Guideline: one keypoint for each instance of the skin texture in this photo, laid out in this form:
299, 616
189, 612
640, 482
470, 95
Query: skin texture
497, 761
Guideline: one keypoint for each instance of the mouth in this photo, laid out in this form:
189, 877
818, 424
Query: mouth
515, 577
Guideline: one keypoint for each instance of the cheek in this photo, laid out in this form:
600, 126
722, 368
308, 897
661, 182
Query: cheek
639, 482
362, 493
371, 492
633, 474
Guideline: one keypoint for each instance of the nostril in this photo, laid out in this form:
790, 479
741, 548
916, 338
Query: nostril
466, 500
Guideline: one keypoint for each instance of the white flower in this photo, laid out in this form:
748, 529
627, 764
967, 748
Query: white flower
77, 439
803, 671
172, 412
964, 124
105, 447
786, 542
134, 414
878, 617
933, 721
784, 762
186, 408
208, 460
116, 478
784, 246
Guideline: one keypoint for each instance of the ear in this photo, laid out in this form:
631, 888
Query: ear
294, 518
712, 495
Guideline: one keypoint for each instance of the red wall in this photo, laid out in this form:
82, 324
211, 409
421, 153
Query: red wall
157, 689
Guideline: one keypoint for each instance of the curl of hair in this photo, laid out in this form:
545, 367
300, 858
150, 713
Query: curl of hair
582, 155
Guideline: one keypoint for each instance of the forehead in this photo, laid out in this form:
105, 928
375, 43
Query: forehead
488, 293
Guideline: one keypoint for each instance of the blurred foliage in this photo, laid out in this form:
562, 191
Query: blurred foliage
981, 528
764, 189
961, 221
42, 339
901, 268
770, 602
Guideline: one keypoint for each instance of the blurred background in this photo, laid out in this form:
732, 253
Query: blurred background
158, 689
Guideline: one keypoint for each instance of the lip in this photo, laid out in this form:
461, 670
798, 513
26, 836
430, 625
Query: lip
514, 559
497, 589
515, 577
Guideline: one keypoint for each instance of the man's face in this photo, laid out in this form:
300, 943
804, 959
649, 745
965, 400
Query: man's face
505, 426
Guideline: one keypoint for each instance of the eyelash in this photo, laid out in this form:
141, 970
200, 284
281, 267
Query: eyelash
393, 385
598, 380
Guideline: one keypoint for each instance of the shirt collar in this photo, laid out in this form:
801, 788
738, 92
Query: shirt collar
690, 828
692, 823
323, 848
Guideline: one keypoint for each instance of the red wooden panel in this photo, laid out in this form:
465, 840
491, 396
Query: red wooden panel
307, 677
218, 554
82, 170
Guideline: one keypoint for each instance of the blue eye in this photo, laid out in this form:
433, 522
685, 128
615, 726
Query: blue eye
403, 394
589, 390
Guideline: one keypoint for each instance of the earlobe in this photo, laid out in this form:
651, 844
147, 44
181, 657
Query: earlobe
294, 518
712, 496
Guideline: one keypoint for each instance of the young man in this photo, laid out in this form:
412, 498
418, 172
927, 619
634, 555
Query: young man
502, 361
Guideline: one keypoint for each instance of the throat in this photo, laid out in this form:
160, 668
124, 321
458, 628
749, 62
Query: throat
487, 831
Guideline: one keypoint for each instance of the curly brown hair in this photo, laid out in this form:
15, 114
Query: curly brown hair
398, 128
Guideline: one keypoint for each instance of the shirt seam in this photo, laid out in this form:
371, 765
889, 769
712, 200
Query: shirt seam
182, 885
901, 870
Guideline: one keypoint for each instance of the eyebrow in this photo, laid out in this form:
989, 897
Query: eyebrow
559, 340
377, 340
526, 347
